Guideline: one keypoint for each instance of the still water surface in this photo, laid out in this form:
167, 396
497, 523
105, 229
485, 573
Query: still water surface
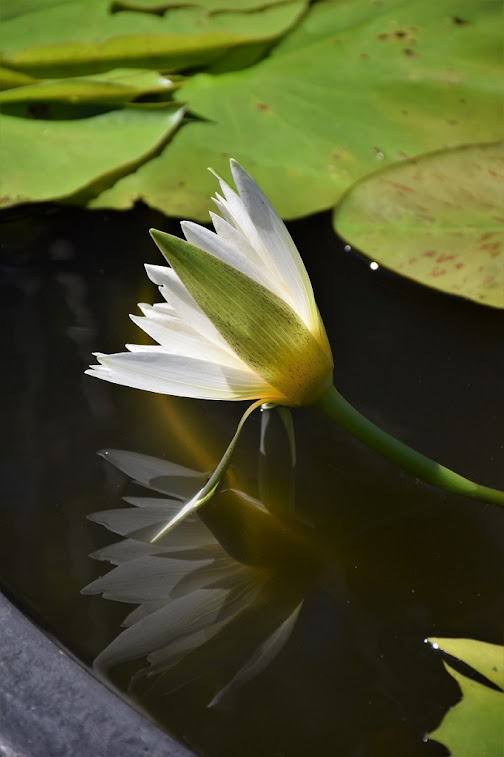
355, 562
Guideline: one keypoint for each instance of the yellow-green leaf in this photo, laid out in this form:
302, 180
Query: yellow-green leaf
475, 726
438, 219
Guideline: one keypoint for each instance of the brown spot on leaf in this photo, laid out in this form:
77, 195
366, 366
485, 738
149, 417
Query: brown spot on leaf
491, 247
262, 106
438, 272
444, 258
400, 187
486, 236
460, 21
459, 266
364, 56
400, 33
383, 35
429, 254
409, 52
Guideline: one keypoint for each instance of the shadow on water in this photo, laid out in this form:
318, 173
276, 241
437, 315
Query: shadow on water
321, 583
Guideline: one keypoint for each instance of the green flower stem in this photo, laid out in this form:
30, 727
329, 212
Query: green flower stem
339, 410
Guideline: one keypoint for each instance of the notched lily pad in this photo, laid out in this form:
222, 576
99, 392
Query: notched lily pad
46, 160
475, 725
438, 219
76, 38
347, 98
209, 6
113, 87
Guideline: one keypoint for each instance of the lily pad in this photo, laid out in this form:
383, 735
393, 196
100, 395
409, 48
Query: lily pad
75, 38
10, 78
308, 122
438, 219
42, 160
14, 8
475, 725
210, 6
117, 86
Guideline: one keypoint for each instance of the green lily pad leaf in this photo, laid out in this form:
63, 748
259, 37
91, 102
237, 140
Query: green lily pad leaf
113, 87
77, 38
438, 219
210, 6
14, 8
475, 725
308, 122
44, 160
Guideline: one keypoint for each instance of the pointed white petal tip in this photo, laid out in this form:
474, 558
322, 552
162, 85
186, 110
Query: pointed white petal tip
214, 173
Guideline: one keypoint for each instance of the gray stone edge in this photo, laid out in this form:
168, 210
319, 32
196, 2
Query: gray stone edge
51, 706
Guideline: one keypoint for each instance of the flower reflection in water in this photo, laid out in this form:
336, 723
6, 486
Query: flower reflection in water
221, 592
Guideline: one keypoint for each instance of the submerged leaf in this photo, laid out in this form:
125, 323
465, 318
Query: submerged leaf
438, 219
475, 725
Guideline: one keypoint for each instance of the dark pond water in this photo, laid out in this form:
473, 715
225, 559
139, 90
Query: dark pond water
343, 581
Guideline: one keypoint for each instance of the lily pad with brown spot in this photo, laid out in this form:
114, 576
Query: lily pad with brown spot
337, 98
438, 219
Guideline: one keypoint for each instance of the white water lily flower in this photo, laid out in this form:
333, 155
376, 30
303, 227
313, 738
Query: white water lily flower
240, 320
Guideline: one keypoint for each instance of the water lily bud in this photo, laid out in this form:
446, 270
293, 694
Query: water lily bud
240, 320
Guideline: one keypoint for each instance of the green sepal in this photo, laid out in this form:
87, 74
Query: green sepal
262, 329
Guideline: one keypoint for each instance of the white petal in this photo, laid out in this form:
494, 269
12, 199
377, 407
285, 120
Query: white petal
278, 243
185, 306
161, 475
180, 617
233, 255
126, 521
127, 550
178, 338
235, 238
160, 307
261, 657
148, 579
180, 376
